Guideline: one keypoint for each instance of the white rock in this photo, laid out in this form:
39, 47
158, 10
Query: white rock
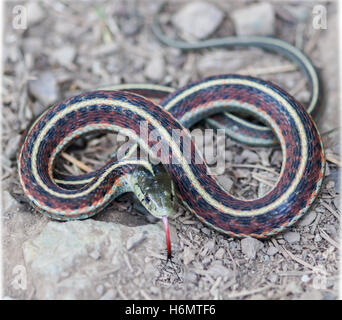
291, 237
155, 69
35, 13
300, 13
44, 88
257, 19
225, 182
198, 19
308, 219
63, 249
249, 156
250, 247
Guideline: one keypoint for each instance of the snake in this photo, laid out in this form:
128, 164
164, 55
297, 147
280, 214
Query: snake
298, 185
124, 108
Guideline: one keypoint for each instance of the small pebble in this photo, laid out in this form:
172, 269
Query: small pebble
198, 19
250, 247
155, 69
292, 237
44, 88
249, 156
35, 13
257, 19
308, 219
225, 182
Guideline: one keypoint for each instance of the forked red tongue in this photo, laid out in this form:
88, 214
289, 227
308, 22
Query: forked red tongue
167, 236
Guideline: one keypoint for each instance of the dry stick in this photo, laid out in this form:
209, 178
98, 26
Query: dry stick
289, 254
333, 160
312, 42
331, 210
329, 239
268, 70
260, 179
76, 162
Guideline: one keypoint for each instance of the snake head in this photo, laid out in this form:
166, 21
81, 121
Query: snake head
154, 191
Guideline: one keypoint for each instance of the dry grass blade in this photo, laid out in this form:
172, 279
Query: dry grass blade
268, 70
333, 160
76, 162
329, 239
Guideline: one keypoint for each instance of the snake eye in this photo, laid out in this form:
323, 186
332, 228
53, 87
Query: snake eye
147, 199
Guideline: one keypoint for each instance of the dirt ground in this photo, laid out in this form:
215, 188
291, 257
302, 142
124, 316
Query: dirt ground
68, 47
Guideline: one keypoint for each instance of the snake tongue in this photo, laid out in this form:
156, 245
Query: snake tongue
167, 236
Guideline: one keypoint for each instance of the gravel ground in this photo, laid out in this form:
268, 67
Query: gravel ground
68, 47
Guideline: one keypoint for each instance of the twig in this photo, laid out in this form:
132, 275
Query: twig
331, 210
330, 131
260, 179
76, 162
333, 160
312, 42
329, 239
268, 70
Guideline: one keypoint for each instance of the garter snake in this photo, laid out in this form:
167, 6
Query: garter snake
82, 196
297, 186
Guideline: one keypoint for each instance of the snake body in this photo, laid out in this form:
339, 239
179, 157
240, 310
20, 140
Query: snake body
298, 184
